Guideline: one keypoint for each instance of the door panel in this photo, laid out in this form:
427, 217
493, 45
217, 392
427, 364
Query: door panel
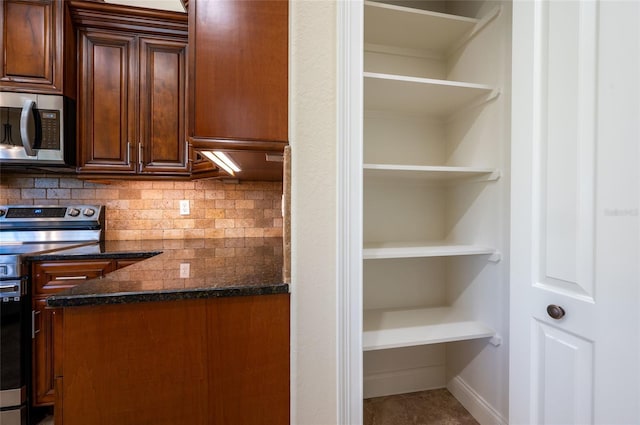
31, 41
567, 37
162, 106
563, 384
107, 102
575, 232
43, 373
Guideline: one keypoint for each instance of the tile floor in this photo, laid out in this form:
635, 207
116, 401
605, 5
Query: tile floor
434, 407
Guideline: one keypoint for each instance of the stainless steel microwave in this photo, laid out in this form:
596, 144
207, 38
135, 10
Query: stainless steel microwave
36, 129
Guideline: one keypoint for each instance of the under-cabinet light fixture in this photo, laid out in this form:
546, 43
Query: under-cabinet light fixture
222, 160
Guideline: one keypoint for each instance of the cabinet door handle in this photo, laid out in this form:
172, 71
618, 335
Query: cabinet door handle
34, 331
140, 155
71, 278
187, 160
128, 153
555, 311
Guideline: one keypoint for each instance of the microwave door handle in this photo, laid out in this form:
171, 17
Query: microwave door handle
26, 118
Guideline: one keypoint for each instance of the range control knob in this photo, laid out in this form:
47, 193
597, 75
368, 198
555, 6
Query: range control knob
89, 212
73, 212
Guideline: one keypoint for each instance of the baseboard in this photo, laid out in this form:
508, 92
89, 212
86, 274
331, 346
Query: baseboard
482, 411
404, 381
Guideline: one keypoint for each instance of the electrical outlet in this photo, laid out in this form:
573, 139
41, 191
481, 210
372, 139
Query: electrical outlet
185, 270
184, 207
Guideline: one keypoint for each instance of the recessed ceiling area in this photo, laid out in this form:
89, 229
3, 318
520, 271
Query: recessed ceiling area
175, 5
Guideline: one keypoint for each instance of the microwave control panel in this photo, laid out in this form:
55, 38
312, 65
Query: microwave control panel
50, 125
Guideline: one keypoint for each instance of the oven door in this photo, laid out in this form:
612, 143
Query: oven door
13, 392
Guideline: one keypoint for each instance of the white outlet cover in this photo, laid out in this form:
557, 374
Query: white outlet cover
185, 269
184, 207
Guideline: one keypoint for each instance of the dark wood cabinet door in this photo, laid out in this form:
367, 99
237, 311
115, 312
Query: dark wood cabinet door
162, 142
247, 332
32, 45
238, 73
43, 358
107, 132
49, 277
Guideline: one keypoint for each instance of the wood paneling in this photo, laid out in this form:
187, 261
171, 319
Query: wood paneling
43, 357
135, 364
106, 109
248, 341
162, 105
239, 73
32, 39
222, 360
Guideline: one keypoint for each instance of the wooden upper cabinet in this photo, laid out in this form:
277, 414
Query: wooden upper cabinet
30, 45
162, 146
33, 40
106, 101
132, 89
238, 74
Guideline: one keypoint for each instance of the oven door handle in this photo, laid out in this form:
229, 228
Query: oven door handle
11, 288
27, 125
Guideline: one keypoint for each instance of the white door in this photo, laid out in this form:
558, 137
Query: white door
575, 232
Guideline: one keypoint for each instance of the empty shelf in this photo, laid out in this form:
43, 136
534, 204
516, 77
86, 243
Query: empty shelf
420, 29
405, 328
421, 249
424, 96
426, 172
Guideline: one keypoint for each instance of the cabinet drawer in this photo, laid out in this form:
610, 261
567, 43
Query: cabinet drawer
52, 276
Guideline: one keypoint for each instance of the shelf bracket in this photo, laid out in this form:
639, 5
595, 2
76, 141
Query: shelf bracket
495, 340
482, 24
496, 257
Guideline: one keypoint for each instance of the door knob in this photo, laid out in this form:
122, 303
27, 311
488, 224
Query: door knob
555, 311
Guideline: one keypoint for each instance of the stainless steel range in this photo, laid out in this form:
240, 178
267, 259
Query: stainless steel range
24, 230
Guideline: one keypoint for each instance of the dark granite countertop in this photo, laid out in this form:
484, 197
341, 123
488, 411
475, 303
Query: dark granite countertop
175, 270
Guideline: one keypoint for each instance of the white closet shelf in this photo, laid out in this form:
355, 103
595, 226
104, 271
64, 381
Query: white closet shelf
382, 250
384, 328
419, 29
424, 96
428, 172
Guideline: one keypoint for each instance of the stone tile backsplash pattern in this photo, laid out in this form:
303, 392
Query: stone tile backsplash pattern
137, 210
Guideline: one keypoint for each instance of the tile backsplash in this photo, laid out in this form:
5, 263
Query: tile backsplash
137, 210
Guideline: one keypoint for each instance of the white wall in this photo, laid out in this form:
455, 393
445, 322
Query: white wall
313, 138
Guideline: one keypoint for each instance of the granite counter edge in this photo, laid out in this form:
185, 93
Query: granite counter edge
164, 295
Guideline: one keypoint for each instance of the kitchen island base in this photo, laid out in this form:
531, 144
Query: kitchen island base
197, 361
